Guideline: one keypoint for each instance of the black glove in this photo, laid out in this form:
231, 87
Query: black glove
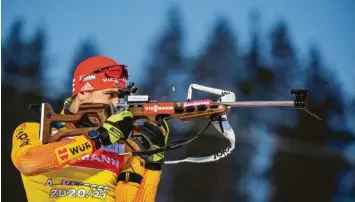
152, 136
116, 127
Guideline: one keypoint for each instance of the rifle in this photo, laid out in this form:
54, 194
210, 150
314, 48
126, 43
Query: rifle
142, 107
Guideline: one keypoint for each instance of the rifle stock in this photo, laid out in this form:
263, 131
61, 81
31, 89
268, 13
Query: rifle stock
148, 111
142, 107
184, 111
48, 116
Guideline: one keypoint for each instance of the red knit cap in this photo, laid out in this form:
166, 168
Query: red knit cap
98, 73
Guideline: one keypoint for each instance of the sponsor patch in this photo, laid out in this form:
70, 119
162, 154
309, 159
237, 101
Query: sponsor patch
23, 137
89, 77
198, 102
71, 152
101, 159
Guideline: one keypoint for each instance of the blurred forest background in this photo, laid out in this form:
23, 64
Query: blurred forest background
309, 160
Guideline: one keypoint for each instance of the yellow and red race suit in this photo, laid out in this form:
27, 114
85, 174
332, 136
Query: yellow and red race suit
73, 170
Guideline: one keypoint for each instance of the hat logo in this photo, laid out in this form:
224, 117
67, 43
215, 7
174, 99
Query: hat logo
89, 77
87, 86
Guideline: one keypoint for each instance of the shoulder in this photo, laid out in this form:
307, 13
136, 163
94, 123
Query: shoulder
27, 126
25, 134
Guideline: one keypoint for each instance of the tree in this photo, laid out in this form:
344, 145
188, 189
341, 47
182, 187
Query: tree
256, 84
215, 181
35, 66
285, 76
217, 66
166, 68
296, 174
259, 78
219, 61
36, 55
21, 62
352, 111
13, 49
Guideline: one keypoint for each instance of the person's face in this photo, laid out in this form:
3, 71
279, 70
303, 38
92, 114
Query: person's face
106, 96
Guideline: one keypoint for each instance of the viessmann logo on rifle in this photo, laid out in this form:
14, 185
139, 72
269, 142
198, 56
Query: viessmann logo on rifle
159, 108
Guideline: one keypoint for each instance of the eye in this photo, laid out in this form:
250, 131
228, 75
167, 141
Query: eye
112, 94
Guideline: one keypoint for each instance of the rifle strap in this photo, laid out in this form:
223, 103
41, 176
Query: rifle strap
172, 146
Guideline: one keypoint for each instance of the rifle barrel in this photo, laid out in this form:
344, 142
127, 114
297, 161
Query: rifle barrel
259, 104
248, 104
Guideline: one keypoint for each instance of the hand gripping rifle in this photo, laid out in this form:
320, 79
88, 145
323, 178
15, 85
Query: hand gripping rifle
143, 108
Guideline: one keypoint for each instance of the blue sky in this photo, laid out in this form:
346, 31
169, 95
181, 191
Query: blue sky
125, 30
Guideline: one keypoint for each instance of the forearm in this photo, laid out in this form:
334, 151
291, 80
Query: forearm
34, 158
137, 182
49, 157
135, 192
149, 187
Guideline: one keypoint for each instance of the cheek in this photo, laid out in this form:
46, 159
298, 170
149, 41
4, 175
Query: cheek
114, 100
100, 98
107, 99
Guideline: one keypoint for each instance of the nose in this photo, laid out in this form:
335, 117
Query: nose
115, 101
